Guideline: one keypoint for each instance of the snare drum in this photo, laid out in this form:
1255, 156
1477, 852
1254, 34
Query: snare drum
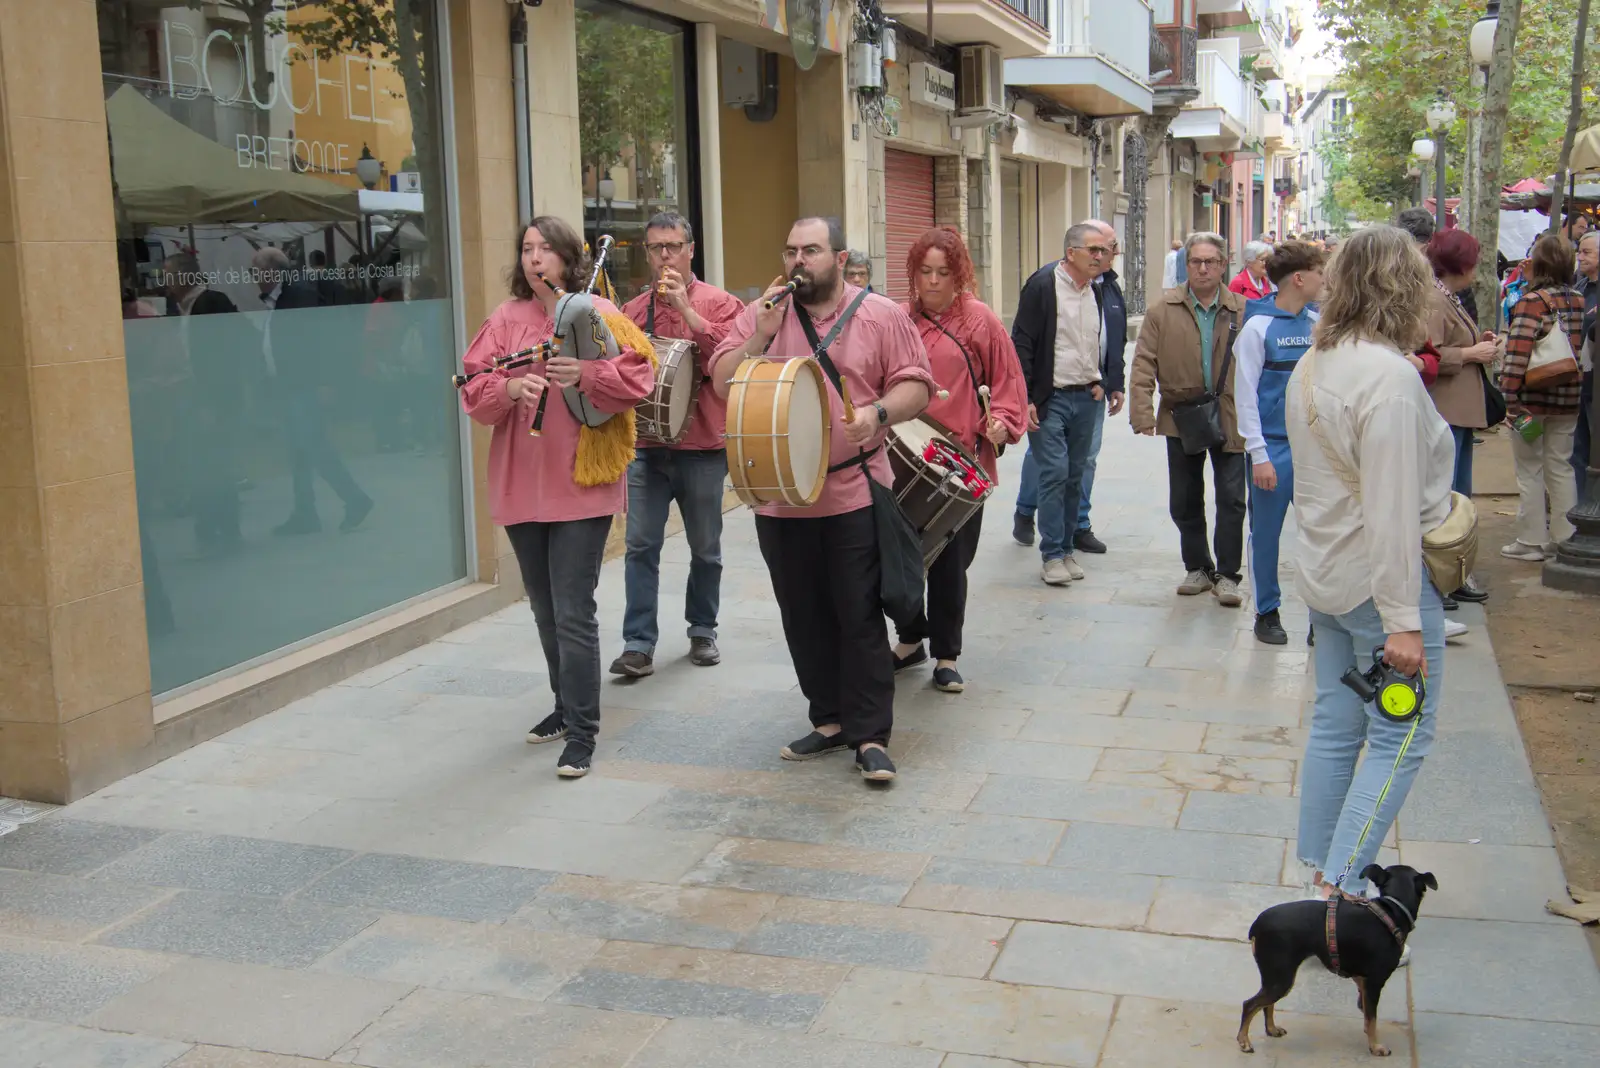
779, 432
664, 415
935, 497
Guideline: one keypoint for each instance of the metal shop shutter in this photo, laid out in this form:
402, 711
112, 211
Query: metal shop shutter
908, 197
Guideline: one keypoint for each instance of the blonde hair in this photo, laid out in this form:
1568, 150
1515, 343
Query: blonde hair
1378, 288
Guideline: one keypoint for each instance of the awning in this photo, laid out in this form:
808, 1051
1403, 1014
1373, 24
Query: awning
168, 175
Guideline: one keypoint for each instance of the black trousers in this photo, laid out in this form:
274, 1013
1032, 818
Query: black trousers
947, 595
1186, 495
825, 578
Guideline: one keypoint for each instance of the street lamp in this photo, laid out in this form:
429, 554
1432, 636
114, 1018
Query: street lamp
368, 169
1481, 42
1441, 113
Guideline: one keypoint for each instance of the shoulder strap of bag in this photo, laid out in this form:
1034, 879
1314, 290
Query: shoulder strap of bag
650, 315
965, 356
819, 349
1318, 431
1227, 354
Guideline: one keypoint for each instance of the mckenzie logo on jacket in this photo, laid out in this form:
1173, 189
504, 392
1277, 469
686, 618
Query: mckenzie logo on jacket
1269, 345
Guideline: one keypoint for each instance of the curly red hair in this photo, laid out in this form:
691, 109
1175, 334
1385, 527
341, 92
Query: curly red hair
947, 239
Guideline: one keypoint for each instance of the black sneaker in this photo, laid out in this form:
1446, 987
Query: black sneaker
634, 665
552, 728
703, 652
948, 680
874, 764
576, 760
1450, 604
1269, 629
1086, 541
812, 746
1022, 529
354, 514
912, 659
1471, 594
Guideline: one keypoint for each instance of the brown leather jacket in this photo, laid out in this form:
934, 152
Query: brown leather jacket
1168, 354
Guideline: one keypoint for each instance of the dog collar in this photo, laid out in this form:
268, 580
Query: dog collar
1410, 919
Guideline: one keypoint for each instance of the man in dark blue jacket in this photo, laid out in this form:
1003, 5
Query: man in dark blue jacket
1036, 319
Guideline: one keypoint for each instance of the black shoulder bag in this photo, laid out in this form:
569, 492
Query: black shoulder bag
1199, 421
983, 412
900, 575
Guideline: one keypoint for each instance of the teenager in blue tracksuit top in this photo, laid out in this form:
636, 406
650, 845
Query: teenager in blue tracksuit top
1276, 333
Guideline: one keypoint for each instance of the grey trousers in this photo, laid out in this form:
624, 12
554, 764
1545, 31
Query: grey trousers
560, 565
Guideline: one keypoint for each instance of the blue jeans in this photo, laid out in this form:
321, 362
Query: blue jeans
1463, 479
1268, 509
1060, 450
1028, 489
656, 478
1336, 798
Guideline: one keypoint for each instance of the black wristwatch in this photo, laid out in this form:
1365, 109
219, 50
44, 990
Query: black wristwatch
883, 413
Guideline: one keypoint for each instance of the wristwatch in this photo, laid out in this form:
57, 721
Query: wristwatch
883, 413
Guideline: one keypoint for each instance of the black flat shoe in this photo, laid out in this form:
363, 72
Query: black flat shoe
912, 659
812, 746
1269, 629
576, 760
552, 728
1022, 529
948, 680
1450, 604
874, 764
1471, 594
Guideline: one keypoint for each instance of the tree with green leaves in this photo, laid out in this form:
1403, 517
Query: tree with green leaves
626, 97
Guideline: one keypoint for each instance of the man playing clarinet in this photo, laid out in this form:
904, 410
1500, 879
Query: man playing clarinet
823, 560
691, 471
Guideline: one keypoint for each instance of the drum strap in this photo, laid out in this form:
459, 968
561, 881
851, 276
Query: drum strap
965, 356
650, 314
819, 349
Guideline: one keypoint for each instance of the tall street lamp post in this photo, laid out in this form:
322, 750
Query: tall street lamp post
1441, 113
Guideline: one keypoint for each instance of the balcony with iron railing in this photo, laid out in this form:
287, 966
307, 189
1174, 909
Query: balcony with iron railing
1098, 60
1227, 113
1015, 27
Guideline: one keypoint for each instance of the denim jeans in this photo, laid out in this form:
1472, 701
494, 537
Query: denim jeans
656, 478
1060, 449
1028, 485
560, 565
1336, 798
1462, 483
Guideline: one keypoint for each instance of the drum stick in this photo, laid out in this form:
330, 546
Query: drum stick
844, 395
988, 416
943, 394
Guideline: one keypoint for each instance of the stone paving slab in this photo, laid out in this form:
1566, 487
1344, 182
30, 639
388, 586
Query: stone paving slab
384, 873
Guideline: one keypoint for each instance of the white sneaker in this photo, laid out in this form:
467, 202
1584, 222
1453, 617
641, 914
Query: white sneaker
1056, 573
1195, 582
1522, 551
1405, 955
1072, 567
1452, 629
1227, 592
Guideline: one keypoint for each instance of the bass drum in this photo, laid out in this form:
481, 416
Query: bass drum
664, 415
939, 484
779, 432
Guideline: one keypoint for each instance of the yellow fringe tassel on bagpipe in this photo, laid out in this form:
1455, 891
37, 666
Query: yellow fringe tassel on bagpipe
605, 451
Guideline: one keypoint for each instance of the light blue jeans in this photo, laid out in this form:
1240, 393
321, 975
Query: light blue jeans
1336, 797
1060, 449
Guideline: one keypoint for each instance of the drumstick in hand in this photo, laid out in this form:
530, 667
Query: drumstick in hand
844, 395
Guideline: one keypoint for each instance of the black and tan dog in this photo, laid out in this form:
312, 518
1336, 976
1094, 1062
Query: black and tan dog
1356, 938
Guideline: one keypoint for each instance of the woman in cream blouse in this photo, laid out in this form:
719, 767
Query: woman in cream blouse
1372, 473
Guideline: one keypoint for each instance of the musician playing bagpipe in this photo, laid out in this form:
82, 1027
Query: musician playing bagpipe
982, 400
690, 470
824, 559
555, 479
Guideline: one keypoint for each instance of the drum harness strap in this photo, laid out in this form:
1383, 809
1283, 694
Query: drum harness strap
819, 349
973, 376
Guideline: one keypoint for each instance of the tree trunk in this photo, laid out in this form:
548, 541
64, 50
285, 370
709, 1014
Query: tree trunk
408, 48
1486, 209
1574, 113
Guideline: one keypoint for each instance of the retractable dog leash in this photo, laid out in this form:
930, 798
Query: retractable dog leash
1398, 698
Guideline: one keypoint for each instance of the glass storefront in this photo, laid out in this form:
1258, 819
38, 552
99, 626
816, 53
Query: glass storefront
279, 190
635, 130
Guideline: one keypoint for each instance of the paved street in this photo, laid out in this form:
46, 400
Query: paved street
385, 874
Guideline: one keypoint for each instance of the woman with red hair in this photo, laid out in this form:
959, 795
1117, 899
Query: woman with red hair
968, 348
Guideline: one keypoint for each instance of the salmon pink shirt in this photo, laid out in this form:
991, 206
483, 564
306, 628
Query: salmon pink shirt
876, 351
993, 362
717, 310
530, 478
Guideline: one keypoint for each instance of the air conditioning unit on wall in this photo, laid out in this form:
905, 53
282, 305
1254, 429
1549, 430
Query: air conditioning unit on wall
981, 85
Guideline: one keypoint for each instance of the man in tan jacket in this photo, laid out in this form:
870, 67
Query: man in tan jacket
1184, 348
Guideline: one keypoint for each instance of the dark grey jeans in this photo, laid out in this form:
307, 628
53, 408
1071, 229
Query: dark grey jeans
560, 565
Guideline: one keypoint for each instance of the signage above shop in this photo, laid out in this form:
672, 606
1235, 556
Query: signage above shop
933, 87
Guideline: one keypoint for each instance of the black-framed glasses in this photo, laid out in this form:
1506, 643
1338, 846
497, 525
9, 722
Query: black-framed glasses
1095, 250
1204, 263
809, 252
670, 248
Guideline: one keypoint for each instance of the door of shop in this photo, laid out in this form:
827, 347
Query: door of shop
908, 197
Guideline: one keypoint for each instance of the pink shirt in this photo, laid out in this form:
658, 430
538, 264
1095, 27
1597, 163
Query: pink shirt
717, 309
994, 363
876, 351
530, 478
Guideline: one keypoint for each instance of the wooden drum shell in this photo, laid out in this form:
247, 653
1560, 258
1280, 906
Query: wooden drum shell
778, 414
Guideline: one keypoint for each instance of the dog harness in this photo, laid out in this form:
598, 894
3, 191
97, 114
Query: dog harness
1330, 924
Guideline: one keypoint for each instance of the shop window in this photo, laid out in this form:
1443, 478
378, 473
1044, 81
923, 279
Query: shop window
279, 195
634, 130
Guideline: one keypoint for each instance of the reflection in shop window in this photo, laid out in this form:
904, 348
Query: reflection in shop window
279, 198
633, 130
